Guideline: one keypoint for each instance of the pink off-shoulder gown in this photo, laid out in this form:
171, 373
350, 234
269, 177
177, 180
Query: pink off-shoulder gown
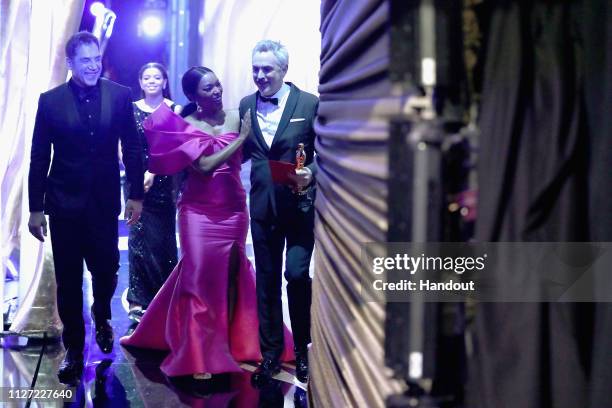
190, 315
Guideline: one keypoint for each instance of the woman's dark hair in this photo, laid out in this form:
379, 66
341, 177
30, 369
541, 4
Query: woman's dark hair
164, 72
190, 81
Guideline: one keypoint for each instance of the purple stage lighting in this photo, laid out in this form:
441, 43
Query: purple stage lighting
97, 9
151, 24
152, 18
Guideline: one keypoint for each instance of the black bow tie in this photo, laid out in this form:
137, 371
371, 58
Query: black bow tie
273, 101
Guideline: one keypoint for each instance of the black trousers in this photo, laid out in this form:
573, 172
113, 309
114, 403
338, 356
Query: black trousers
297, 230
91, 237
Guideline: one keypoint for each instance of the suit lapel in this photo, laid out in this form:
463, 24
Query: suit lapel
287, 114
255, 124
73, 119
105, 107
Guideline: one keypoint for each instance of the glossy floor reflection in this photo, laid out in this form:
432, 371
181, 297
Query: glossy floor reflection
131, 378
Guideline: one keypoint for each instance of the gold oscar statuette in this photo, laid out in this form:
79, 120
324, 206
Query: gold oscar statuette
300, 159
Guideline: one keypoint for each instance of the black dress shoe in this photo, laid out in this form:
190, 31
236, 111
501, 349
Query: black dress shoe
71, 367
135, 315
104, 334
301, 366
265, 371
104, 337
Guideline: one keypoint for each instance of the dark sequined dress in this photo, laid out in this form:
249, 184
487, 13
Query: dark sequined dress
152, 240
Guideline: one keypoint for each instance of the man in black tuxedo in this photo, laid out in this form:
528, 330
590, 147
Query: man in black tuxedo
282, 116
82, 120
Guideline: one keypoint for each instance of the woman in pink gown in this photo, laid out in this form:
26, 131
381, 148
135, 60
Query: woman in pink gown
206, 312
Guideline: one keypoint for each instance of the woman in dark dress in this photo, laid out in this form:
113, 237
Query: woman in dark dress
152, 241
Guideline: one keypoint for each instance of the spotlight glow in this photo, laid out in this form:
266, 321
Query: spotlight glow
151, 26
97, 9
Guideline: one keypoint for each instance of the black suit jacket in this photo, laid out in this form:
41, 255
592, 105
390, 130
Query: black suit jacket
268, 200
83, 168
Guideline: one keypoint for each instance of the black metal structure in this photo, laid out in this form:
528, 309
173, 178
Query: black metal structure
424, 340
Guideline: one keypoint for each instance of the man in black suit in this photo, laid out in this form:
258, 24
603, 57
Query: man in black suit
82, 120
282, 116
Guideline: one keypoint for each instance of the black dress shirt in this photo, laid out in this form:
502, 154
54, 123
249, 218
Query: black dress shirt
88, 104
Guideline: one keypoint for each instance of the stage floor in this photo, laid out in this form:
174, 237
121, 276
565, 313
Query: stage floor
129, 377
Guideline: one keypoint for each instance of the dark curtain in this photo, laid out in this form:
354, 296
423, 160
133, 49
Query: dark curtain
598, 99
347, 357
544, 175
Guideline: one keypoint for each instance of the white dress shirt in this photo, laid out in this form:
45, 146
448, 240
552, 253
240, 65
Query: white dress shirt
269, 115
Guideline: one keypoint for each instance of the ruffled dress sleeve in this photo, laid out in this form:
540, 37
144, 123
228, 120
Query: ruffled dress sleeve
173, 143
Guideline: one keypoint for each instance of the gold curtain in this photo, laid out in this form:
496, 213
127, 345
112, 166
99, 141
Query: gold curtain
347, 359
33, 34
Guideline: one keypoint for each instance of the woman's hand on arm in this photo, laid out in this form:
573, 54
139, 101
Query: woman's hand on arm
245, 125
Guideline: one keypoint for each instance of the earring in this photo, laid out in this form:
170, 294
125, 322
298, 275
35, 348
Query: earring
199, 108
